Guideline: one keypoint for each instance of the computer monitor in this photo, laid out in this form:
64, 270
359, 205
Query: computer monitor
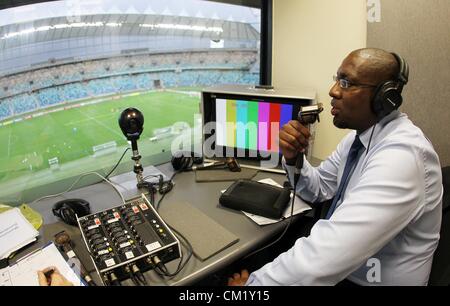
244, 122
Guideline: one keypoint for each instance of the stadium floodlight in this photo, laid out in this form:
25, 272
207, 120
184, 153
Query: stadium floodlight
171, 26
61, 26
131, 122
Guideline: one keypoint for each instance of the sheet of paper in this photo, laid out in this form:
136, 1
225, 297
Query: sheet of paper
15, 232
299, 207
24, 272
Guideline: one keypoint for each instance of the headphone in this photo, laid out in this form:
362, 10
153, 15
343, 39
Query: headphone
388, 95
183, 161
69, 209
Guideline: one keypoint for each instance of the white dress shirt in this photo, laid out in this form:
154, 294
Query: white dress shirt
385, 229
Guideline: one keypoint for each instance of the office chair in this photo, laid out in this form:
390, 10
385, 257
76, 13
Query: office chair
440, 270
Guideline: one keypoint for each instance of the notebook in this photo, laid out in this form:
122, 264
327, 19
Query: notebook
24, 272
15, 232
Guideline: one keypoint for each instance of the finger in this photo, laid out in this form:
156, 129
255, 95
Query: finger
297, 131
236, 276
288, 150
230, 281
290, 139
299, 143
288, 146
51, 268
42, 279
56, 270
57, 274
300, 127
57, 279
244, 275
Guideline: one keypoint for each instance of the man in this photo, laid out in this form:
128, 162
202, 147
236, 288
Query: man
383, 225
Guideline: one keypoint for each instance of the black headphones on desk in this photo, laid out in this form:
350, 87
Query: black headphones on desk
69, 209
182, 161
388, 95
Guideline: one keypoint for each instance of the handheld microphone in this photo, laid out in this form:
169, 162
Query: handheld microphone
306, 116
63, 241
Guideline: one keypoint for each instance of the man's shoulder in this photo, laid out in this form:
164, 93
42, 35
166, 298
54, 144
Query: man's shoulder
402, 131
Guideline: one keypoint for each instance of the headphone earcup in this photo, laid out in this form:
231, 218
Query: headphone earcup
176, 162
186, 163
68, 215
69, 209
180, 163
387, 98
80, 207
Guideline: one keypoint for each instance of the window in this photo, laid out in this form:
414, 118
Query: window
66, 75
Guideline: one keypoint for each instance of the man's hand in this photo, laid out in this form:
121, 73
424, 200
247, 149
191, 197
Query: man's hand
293, 139
238, 279
53, 278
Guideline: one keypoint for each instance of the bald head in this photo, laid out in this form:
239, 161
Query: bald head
377, 64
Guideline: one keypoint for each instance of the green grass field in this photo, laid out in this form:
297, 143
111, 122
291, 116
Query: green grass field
70, 134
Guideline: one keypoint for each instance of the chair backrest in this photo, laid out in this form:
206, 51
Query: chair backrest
446, 183
440, 271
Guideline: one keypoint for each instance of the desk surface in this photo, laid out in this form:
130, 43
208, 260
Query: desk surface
203, 196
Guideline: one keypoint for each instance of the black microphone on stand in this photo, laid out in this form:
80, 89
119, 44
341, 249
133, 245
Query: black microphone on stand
131, 122
306, 116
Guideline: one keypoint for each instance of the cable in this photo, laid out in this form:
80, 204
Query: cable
76, 181
163, 269
190, 252
117, 164
114, 281
284, 231
133, 278
162, 197
139, 277
370, 139
153, 175
160, 267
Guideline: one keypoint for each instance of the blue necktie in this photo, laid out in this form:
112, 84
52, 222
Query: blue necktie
351, 162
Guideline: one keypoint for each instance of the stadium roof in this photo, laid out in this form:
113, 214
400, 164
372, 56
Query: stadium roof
74, 8
128, 25
118, 25
4, 4
55, 20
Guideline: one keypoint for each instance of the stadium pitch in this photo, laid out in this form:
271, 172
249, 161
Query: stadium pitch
70, 134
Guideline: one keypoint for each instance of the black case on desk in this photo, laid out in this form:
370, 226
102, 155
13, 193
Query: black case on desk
256, 198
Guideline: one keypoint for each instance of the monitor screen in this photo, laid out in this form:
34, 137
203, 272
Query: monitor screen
250, 125
246, 125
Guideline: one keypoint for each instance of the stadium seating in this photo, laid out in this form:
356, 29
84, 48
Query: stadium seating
44, 87
5, 109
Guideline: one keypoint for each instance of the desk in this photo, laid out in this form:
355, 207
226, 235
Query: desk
203, 196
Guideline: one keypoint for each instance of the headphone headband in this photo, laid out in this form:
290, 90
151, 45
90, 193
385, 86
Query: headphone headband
403, 73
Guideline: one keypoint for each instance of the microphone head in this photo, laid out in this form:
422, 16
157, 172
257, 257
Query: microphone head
131, 122
62, 238
309, 114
